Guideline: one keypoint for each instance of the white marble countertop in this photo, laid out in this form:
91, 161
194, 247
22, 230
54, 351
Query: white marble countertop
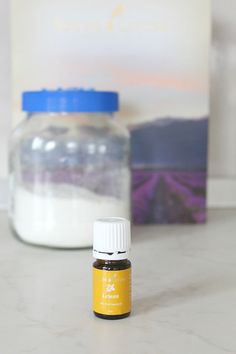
184, 294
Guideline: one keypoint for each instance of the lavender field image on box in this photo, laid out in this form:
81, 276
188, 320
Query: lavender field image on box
169, 159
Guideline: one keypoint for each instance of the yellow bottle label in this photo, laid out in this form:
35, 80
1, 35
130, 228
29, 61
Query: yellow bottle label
112, 291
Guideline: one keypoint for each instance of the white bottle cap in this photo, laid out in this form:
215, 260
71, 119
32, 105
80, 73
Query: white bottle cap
111, 238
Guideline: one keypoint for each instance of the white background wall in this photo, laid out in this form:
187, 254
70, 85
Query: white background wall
222, 135
223, 90
5, 116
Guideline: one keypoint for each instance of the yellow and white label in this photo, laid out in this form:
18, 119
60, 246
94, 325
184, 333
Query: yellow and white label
112, 291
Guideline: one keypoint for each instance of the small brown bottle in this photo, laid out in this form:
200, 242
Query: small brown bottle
112, 269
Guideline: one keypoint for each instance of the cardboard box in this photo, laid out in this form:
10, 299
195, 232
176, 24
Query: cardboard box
155, 53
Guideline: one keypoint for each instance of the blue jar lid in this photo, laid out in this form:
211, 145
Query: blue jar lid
70, 100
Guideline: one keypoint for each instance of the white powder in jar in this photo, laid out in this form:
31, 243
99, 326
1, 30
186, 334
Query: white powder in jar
59, 221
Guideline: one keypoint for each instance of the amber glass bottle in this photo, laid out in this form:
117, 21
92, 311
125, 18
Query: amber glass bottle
112, 269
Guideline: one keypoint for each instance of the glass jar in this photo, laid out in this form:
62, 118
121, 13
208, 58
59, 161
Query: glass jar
69, 165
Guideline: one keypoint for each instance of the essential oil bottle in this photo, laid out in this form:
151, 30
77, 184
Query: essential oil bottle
112, 269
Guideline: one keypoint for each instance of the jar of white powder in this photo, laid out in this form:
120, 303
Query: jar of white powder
69, 165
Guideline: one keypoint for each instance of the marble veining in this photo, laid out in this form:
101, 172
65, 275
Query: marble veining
184, 291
